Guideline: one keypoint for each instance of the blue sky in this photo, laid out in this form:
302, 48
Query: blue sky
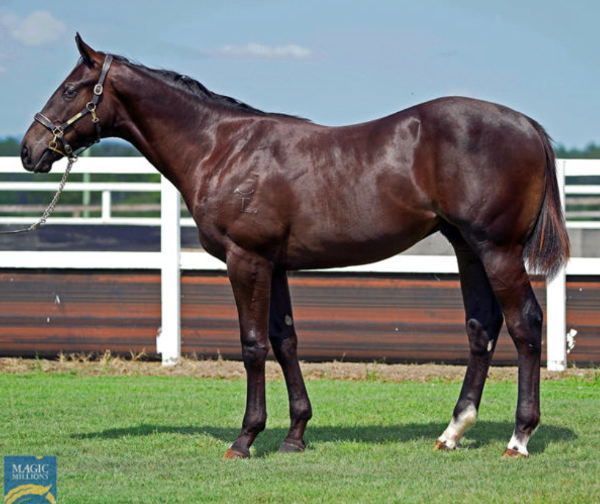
332, 61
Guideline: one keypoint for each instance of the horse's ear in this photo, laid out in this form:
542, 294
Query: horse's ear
87, 53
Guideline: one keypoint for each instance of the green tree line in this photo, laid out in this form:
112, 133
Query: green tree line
10, 147
590, 151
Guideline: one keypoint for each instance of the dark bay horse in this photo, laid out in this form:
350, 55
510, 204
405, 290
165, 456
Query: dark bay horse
271, 193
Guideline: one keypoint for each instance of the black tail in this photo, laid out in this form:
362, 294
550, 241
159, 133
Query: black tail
548, 247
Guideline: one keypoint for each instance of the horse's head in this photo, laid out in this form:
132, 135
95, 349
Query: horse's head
73, 117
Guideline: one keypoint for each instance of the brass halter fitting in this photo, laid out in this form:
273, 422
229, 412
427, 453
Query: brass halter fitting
90, 108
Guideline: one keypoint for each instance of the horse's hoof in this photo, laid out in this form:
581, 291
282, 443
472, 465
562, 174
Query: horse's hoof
512, 453
287, 447
233, 454
441, 446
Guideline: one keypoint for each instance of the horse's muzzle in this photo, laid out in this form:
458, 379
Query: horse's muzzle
42, 164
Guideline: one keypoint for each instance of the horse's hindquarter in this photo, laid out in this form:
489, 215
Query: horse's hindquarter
487, 169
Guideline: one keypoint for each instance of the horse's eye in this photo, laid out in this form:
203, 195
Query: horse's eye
69, 93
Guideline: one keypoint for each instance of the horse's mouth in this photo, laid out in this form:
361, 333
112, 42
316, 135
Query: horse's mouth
44, 163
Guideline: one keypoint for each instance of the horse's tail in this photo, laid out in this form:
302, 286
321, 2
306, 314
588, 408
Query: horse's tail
548, 247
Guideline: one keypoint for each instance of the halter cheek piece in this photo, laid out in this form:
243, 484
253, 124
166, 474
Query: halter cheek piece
90, 108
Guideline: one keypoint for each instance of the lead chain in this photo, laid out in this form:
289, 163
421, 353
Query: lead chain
50, 207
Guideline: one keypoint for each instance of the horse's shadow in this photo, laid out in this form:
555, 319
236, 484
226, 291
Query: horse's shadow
484, 433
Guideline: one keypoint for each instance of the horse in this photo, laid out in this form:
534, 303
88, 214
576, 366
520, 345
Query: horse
272, 193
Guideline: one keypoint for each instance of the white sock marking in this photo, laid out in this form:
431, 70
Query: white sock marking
518, 445
458, 426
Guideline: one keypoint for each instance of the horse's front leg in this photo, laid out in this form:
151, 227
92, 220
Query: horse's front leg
250, 277
284, 343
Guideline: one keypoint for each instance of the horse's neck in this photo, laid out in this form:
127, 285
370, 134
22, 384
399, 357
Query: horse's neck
159, 132
164, 125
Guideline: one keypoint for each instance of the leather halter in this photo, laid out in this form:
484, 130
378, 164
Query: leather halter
90, 108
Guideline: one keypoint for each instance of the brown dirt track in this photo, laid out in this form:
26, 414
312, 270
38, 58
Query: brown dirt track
109, 365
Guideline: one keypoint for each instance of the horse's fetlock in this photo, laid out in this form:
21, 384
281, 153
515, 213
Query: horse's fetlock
528, 421
254, 425
301, 411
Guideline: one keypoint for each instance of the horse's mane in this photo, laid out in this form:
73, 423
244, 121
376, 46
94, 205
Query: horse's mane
198, 90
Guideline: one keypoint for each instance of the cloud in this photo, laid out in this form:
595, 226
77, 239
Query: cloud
38, 28
254, 50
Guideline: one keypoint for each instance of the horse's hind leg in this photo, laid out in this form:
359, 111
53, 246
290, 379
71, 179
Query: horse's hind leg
523, 316
510, 283
483, 322
284, 343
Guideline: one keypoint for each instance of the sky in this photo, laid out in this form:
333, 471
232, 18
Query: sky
332, 61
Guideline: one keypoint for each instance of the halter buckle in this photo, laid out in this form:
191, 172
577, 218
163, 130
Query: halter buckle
53, 146
91, 107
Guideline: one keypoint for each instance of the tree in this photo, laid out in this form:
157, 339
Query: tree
12, 147
9, 147
590, 151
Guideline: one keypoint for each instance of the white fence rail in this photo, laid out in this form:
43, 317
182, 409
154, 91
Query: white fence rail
171, 260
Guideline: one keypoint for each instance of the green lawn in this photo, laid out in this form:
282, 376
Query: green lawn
160, 439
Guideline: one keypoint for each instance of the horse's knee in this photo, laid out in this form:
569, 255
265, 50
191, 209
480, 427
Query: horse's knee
254, 354
282, 334
285, 348
481, 342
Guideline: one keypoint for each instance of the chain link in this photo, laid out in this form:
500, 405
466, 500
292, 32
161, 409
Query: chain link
50, 207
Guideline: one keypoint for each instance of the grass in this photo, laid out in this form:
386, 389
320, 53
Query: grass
160, 439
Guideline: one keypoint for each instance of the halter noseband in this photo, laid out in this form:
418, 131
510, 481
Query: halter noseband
90, 108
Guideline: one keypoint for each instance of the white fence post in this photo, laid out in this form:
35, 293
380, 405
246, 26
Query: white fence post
556, 302
106, 202
168, 340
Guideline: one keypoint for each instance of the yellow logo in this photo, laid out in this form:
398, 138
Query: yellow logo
20, 494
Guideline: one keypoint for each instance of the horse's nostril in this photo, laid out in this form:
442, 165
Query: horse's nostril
26, 158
